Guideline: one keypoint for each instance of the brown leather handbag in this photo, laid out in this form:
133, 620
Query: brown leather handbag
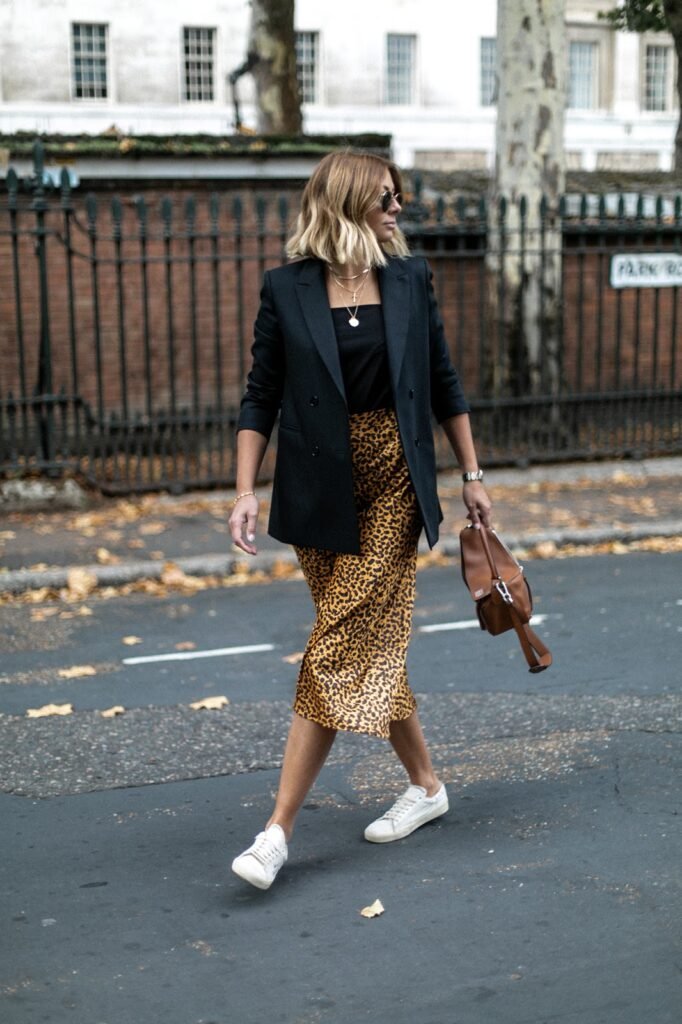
501, 591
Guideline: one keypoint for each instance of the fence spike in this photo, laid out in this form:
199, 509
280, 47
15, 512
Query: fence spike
166, 214
91, 210
214, 210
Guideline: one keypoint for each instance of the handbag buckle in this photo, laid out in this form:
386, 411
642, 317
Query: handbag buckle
503, 590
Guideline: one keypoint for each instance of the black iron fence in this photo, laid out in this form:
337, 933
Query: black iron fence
125, 326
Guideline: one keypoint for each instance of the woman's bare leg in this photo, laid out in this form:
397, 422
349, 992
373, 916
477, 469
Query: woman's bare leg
308, 745
407, 739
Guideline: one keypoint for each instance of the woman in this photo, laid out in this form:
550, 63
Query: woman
349, 349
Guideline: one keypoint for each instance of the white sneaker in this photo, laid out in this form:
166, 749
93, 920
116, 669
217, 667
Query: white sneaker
412, 809
263, 859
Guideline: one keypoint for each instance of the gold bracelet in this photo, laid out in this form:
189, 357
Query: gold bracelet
244, 494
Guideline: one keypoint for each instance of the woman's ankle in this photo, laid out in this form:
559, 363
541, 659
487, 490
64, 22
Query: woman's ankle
286, 827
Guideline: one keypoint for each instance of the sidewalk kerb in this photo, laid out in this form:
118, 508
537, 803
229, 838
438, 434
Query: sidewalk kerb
21, 580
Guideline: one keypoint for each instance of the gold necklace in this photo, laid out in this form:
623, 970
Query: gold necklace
351, 291
352, 314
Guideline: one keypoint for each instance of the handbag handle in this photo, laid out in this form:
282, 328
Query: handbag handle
483, 531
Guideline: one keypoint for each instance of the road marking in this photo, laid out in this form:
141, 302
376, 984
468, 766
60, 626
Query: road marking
218, 652
442, 627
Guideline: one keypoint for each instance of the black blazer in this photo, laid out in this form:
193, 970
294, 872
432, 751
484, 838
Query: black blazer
296, 369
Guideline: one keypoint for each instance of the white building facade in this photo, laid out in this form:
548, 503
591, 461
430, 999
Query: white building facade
411, 68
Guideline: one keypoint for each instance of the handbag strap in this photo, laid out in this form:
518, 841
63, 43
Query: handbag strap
537, 655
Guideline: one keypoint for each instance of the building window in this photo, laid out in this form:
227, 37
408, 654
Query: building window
488, 72
199, 54
89, 61
400, 68
307, 62
583, 75
658, 77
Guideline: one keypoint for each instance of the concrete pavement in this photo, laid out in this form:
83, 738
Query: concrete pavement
118, 542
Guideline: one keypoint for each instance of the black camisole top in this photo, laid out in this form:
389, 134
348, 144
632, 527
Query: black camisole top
364, 359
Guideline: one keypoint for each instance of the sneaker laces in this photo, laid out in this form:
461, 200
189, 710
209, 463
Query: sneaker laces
265, 850
401, 807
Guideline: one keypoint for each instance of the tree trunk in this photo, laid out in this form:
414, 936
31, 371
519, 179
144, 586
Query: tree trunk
525, 241
272, 44
673, 17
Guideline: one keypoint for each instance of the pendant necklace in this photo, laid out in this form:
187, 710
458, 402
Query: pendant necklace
355, 293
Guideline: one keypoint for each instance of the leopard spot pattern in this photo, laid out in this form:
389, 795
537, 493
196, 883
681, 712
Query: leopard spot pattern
353, 675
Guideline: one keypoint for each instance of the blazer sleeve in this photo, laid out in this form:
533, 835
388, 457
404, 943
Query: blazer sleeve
265, 382
447, 396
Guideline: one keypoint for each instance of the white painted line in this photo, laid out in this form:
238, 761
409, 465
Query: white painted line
442, 627
218, 652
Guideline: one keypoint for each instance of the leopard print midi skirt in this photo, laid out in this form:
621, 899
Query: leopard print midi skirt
353, 674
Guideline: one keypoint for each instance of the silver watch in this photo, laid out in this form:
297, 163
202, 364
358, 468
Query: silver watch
470, 477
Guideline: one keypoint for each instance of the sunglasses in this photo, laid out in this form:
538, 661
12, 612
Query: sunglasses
387, 197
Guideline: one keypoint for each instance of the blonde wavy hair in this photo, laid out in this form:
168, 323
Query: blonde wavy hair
332, 225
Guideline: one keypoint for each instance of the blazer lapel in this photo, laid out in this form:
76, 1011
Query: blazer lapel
394, 284
312, 294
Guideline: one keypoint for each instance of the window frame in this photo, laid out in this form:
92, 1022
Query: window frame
75, 98
414, 79
316, 35
495, 86
604, 38
662, 39
216, 76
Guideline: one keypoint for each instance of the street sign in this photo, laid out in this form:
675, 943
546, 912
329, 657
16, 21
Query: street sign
646, 270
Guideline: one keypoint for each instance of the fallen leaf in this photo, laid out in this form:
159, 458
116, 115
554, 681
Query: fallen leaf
38, 566
130, 641
105, 557
38, 596
77, 671
373, 910
7, 535
85, 611
151, 529
210, 704
136, 542
185, 645
79, 583
49, 709
117, 709
40, 614
293, 659
173, 576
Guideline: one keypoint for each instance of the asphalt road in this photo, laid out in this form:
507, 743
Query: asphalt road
551, 892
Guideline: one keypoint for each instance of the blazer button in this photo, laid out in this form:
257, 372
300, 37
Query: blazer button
417, 441
411, 393
314, 400
315, 450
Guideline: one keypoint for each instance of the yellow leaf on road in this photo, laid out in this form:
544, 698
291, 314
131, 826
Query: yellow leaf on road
151, 529
130, 641
210, 704
49, 709
117, 709
293, 659
373, 910
105, 557
77, 671
79, 584
185, 645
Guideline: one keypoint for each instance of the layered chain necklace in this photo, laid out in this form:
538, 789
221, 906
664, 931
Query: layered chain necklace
354, 292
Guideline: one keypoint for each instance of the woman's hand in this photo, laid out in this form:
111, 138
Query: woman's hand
478, 503
243, 520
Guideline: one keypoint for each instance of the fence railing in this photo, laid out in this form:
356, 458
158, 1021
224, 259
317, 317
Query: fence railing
126, 325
